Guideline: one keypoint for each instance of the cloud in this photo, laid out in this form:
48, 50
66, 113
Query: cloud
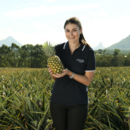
45, 10
53, 26
108, 31
97, 14
44, 27
50, 0
34, 37
32, 3
25, 5
18, 6
95, 29
90, 16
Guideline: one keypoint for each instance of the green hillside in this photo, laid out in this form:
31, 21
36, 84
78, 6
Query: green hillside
124, 44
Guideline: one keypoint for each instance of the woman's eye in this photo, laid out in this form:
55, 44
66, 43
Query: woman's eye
69, 31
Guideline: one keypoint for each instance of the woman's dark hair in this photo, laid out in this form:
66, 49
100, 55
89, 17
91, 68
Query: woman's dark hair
74, 20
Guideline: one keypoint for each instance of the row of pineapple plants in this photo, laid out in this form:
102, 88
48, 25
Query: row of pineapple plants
24, 100
109, 94
25, 97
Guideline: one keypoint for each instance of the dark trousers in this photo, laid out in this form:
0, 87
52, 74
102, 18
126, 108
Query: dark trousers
68, 117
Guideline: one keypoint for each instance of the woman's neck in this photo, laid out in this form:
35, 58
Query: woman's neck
73, 46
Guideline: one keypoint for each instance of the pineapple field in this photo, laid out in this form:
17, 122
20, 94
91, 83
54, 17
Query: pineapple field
25, 99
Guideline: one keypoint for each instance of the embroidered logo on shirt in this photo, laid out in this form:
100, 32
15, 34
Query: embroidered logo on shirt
80, 60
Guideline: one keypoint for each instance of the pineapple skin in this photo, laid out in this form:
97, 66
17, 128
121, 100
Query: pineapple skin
55, 64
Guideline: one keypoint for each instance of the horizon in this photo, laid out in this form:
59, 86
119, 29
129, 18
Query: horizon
55, 44
31, 22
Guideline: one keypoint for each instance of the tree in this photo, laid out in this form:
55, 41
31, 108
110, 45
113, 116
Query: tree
26, 55
100, 51
4, 56
104, 51
39, 57
118, 58
127, 60
116, 52
15, 54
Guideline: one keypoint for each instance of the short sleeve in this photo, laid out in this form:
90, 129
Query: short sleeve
90, 63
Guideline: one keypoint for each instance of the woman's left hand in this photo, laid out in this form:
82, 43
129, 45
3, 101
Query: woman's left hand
64, 72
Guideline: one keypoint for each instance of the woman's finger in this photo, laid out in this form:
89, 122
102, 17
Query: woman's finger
55, 75
60, 75
49, 69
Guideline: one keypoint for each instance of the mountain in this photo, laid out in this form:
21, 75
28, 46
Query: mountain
100, 46
8, 41
124, 44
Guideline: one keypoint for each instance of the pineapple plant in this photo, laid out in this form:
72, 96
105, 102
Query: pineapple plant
55, 64
25, 99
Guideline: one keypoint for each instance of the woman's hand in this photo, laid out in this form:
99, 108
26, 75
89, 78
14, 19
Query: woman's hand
51, 73
64, 72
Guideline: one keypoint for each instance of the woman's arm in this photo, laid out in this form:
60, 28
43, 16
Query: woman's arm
84, 79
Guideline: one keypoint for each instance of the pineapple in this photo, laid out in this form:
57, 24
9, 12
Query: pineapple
55, 64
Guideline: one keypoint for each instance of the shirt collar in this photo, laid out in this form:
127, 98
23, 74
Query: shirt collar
66, 46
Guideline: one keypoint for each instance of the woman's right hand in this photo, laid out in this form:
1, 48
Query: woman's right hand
51, 73
54, 76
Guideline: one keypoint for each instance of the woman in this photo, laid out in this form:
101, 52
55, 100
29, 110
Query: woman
69, 100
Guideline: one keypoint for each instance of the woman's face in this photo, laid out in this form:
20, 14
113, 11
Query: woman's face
72, 33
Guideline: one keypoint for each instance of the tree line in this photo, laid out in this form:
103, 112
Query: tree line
115, 59
26, 56
36, 56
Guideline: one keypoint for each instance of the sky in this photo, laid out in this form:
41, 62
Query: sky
37, 21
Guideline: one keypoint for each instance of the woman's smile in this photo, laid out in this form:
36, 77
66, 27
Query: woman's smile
72, 33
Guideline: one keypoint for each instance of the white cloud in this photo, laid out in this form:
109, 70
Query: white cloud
44, 10
54, 26
50, 0
32, 3
91, 16
19, 6
40, 26
9, 32
107, 31
34, 37
52, 32
98, 14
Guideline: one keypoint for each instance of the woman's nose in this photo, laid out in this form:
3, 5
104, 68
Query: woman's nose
71, 33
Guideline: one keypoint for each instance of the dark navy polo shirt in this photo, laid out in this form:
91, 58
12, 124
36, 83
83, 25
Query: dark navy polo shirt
69, 91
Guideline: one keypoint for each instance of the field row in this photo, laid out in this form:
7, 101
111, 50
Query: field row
25, 96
